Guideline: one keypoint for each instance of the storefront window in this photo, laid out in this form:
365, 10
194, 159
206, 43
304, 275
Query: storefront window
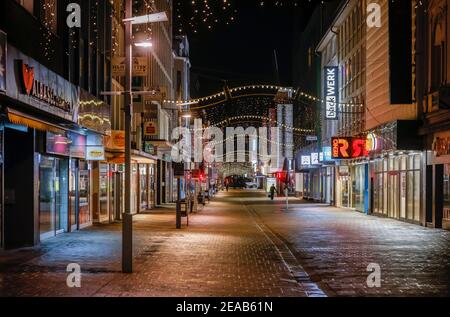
152, 186
112, 196
73, 197
144, 186
53, 196
134, 188
358, 187
447, 192
84, 194
103, 192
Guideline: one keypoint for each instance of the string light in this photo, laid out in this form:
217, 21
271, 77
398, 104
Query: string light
249, 87
196, 15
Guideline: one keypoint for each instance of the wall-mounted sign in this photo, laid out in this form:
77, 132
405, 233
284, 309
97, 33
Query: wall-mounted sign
348, 148
149, 148
321, 156
115, 141
77, 145
372, 142
306, 160
327, 154
314, 158
331, 84
95, 151
57, 144
150, 128
39, 90
311, 138
441, 146
3, 51
140, 66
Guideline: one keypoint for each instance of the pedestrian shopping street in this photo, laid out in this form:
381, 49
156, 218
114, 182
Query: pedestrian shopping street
240, 244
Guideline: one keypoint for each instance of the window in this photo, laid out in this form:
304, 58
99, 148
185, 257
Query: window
437, 57
27, 4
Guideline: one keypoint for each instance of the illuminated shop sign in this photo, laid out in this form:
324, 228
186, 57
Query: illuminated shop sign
31, 86
57, 144
331, 84
77, 145
315, 159
327, 153
95, 151
372, 142
306, 160
348, 148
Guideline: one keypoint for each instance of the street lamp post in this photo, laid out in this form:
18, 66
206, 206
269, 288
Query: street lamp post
127, 223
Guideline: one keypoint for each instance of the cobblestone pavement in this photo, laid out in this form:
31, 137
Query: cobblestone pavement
335, 247
223, 252
241, 244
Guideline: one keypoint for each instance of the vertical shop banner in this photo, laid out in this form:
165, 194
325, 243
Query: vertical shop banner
150, 125
331, 85
2, 61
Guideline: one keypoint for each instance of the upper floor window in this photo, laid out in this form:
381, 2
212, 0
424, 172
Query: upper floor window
27, 4
437, 57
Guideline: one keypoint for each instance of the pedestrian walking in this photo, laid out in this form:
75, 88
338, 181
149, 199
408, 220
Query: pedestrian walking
273, 190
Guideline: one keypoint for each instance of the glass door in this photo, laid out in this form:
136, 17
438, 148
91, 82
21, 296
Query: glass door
84, 195
143, 187
73, 195
345, 188
112, 196
47, 197
394, 195
53, 196
103, 192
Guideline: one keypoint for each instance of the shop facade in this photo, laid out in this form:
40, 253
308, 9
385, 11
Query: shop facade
397, 171
438, 181
352, 185
46, 173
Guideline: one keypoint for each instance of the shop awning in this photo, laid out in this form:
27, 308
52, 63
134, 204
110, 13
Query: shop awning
162, 144
119, 158
19, 118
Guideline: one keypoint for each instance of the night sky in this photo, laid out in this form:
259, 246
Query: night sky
242, 52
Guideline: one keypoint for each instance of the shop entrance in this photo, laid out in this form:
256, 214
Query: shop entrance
345, 191
53, 196
394, 195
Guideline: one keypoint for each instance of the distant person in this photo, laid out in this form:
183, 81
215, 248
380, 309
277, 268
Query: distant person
273, 190
227, 186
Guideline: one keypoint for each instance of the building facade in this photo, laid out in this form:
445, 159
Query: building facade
51, 138
434, 89
371, 124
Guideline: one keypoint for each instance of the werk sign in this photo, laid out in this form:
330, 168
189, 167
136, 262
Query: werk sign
331, 93
349, 148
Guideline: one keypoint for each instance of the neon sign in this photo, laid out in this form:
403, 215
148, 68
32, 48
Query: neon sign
348, 148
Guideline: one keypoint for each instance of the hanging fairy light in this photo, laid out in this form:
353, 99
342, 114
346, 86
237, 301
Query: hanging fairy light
196, 15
